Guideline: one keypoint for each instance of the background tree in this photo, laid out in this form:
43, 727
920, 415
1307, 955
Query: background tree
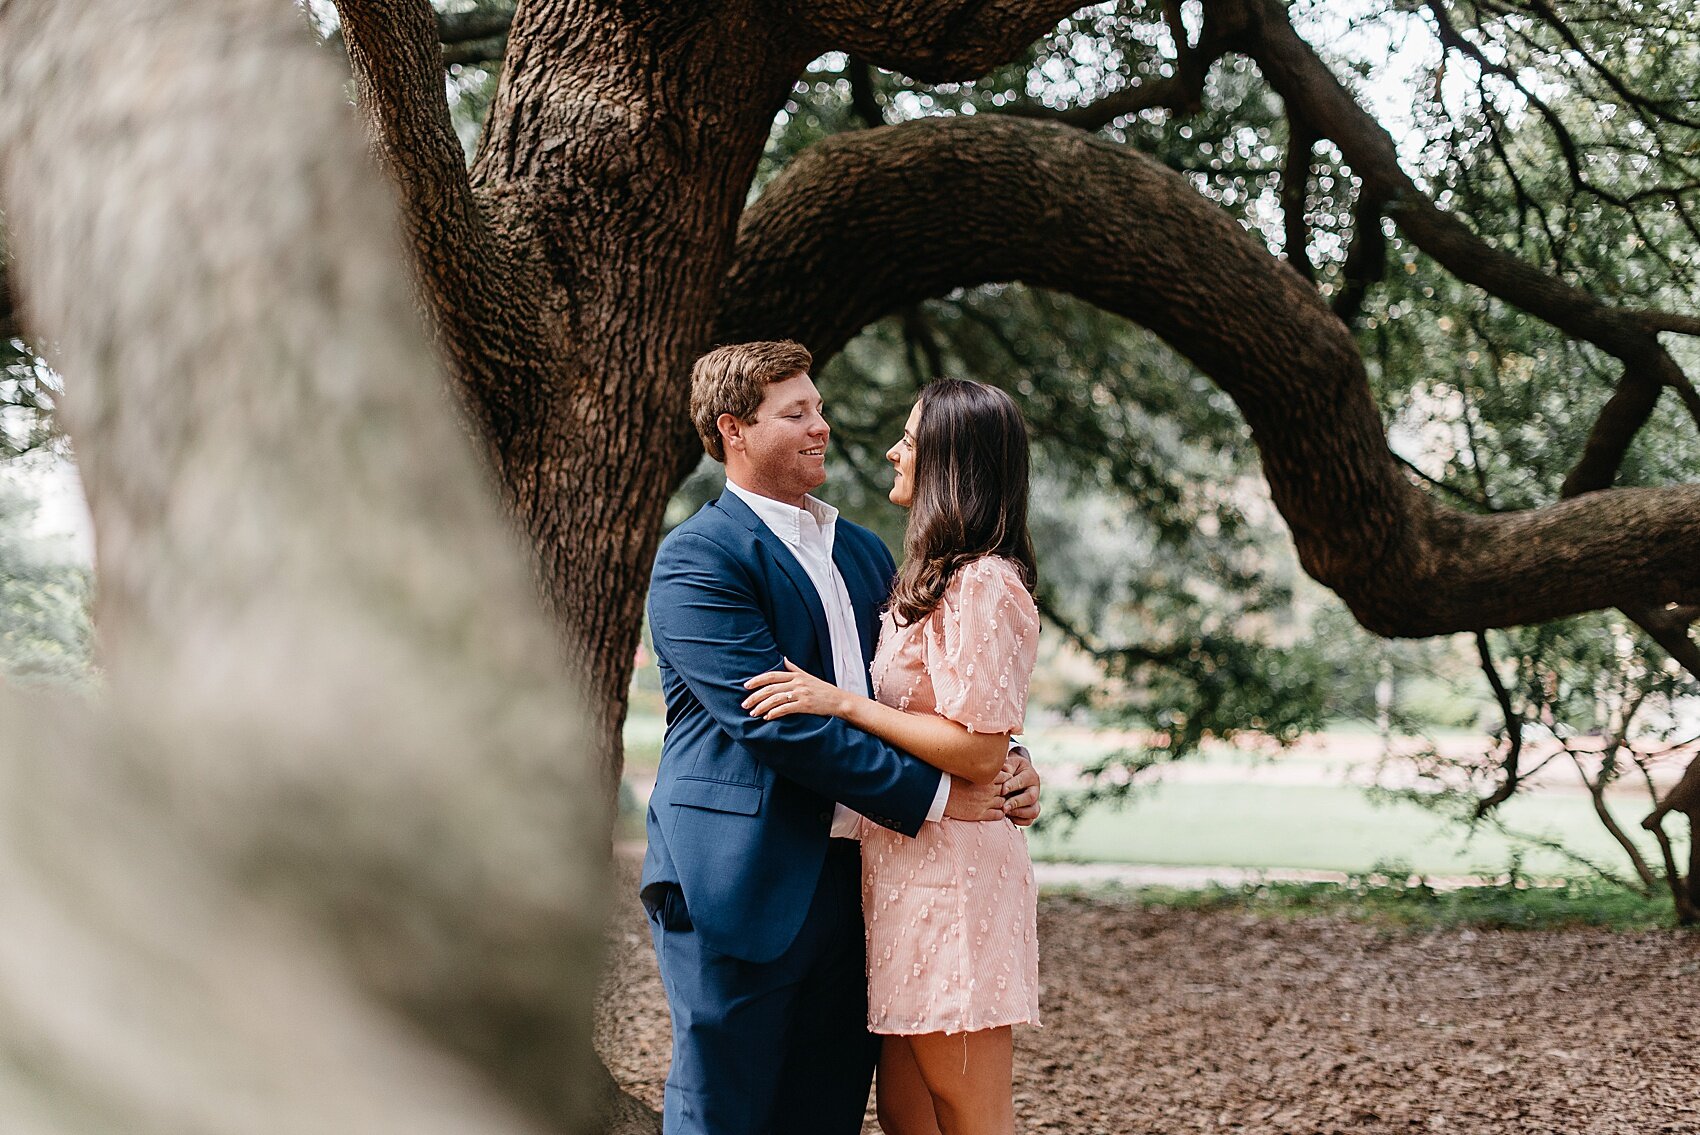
603, 235
1528, 241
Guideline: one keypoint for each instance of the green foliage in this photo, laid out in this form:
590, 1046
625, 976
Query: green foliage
28, 391
1567, 133
44, 616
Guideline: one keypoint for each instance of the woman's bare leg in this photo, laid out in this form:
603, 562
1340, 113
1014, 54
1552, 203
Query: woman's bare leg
968, 1076
901, 1098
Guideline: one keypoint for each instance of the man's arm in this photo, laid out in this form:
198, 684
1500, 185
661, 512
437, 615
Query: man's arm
705, 620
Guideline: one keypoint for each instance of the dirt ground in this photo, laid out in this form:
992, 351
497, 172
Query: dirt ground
1165, 1022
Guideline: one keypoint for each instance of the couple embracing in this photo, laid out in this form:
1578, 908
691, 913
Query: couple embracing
836, 879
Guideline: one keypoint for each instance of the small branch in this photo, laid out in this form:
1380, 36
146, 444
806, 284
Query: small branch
1619, 420
1166, 94
10, 327
1513, 731
1182, 92
863, 100
479, 24
1596, 786
1366, 259
1295, 187
1668, 321
476, 51
1669, 632
919, 345
1463, 496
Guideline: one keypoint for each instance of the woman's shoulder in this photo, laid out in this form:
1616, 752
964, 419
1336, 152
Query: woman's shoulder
990, 582
989, 568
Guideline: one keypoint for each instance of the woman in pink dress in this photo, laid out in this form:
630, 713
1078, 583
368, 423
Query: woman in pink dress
950, 915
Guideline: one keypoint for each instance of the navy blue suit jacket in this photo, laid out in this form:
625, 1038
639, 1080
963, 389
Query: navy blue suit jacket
740, 816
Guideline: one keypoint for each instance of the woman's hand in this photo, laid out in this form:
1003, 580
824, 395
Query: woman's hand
793, 690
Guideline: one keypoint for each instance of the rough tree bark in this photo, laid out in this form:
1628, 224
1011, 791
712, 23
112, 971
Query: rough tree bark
591, 251
588, 256
329, 855
574, 272
849, 233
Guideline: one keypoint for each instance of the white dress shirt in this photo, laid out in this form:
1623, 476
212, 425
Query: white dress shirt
808, 532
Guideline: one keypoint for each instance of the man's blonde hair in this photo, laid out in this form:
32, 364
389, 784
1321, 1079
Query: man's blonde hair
733, 380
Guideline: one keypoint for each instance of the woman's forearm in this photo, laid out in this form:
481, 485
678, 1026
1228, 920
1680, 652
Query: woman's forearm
937, 740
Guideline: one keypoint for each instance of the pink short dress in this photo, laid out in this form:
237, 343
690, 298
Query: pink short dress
951, 915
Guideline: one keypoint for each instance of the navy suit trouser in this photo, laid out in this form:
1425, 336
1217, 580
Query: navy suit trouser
770, 1048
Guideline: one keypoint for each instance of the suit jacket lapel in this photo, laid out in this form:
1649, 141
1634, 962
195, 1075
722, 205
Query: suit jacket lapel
738, 510
866, 595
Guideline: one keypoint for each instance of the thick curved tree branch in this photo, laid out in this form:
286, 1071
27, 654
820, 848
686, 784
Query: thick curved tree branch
467, 278
393, 50
936, 41
1117, 229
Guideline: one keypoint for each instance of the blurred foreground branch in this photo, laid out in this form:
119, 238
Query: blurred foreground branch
330, 857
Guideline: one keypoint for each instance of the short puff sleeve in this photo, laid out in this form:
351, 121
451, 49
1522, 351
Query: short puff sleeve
980, 645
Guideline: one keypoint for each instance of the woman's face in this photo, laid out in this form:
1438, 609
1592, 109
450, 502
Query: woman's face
902, 458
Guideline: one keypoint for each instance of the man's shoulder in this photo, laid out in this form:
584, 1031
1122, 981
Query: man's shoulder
710, 531
864, 540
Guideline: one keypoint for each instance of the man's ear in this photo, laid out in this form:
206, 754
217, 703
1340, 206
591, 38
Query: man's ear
731, 432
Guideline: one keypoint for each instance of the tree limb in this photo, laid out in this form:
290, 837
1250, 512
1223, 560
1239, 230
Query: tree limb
1295, 188
476, 51
1171, 93
1182, 92
1301, 77
1117, 229
478, 315
1507, 787
10, 326
1366, 260
1669, 321
862, 98
482, 23
936, 41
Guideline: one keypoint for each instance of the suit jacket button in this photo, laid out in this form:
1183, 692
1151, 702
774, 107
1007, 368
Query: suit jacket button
827, 816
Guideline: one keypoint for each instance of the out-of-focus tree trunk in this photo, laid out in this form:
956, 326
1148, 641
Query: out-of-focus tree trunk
330, 855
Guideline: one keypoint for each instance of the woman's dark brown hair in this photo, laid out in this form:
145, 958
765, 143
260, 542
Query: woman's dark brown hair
970, 492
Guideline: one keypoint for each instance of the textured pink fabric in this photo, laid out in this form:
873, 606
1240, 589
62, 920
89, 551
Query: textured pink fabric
951, 914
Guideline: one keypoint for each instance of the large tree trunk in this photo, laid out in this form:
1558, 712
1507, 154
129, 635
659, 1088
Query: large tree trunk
608, 183
332, 857
600, 213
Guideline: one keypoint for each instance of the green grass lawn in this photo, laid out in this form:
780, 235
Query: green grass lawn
1321, 828
1326, 825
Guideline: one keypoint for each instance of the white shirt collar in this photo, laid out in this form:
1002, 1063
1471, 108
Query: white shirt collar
815, 522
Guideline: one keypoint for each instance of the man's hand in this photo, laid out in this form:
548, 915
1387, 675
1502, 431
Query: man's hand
975, 802
1020, 786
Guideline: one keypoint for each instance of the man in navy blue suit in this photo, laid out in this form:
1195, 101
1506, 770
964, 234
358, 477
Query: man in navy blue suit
752, 892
